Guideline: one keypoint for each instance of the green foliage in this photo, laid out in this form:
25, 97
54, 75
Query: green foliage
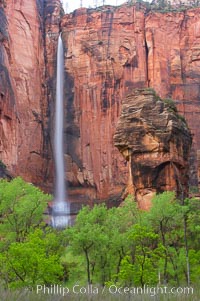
164, 6
21, 209
149, 89
28, 253
100, 236
170, 104
172, 108
193, 222
36, 260
140, 267
124, 246
182, 118
127, 246
166, 218
194, 256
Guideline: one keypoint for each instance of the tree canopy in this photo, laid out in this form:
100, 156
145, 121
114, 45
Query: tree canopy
121, 245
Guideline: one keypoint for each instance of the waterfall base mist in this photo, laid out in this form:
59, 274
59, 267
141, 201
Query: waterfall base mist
60, 215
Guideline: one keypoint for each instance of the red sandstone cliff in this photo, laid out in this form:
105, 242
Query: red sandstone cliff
173, 42
105, 57
22, 65
24, 69
107, 53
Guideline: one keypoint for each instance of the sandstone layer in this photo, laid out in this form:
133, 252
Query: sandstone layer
173, 43
24, 78
105, 57
107, 53
156, 142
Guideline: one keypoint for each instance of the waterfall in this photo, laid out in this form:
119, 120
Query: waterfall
61, 208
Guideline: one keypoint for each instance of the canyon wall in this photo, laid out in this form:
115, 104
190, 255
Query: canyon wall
173, 42
22, 77
105, 58
25, 73
108, 52
8, 114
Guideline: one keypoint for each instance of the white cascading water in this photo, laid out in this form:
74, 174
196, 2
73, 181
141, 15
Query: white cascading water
61, 208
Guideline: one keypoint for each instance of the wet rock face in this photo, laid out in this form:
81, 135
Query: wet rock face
173, 44
156, 142
23, 67
4, 173
24, 84
8, 116
109, 52
104, 59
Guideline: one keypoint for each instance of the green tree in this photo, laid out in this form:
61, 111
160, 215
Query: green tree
36, 260
21, 209
129, 246
86, 237
140, 266
166, 219
193, 222
119, 222
194, 256
100, 236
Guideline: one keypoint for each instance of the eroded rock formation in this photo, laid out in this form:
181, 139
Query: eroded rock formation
156, 142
